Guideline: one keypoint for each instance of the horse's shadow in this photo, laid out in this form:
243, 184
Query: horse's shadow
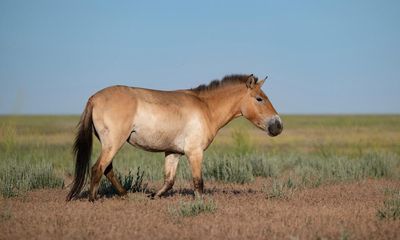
150, 192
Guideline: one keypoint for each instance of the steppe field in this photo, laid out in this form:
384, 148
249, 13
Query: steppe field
324, 177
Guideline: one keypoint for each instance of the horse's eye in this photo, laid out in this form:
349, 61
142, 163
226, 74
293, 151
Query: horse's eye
259, 99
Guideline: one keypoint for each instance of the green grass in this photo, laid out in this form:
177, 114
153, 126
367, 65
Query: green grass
17, 178
192, 208
228, 168
36, 152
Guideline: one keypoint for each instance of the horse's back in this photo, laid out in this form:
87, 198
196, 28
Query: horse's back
117, 93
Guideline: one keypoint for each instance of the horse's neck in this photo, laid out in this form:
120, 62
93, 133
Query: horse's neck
223, 104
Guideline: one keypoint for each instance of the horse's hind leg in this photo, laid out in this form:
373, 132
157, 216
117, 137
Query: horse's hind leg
114, 181
171, 163
99, 168
113, 124
110, 144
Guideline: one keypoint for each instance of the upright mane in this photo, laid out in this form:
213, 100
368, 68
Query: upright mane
227, 80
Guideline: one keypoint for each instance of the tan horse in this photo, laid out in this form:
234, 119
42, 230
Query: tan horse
182, 122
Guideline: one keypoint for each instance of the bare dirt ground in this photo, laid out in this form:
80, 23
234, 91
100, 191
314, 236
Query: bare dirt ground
340, 211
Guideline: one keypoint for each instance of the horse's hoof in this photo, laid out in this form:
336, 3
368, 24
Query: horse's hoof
151, 196
123, 194
154, 196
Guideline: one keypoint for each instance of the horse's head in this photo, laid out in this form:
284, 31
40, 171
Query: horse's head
257, 108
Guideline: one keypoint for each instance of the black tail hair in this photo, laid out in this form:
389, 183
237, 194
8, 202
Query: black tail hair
82, 151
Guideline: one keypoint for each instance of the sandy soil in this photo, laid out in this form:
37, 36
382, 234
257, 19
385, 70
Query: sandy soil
243, 212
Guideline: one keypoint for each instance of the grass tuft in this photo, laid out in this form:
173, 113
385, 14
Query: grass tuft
5, 213
279, 189
193, 208
391, 208
243, 143
131, 182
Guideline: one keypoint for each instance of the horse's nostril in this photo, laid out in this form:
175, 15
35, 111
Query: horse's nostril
270, 130
279, 125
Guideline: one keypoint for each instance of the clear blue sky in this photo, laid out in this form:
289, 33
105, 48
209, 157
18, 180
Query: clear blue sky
321, 56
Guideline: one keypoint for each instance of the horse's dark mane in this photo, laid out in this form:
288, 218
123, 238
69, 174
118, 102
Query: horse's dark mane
227, 80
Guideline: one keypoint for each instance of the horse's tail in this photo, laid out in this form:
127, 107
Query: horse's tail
82, 151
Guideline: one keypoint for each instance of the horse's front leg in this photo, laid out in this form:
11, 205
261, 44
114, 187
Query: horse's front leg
171, 163
195, 160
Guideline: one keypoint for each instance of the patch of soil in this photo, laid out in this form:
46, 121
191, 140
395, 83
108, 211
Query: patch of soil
346, 210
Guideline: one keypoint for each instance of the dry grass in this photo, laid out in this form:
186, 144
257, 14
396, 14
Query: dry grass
323, 178
243, 212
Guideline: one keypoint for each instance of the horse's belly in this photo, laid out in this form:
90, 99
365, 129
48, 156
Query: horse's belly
156, 140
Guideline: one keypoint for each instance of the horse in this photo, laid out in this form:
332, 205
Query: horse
181, 122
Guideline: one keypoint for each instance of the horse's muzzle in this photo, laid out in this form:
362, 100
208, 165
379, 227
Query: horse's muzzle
275, 126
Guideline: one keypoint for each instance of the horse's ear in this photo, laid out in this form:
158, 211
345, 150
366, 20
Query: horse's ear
251, 81
260, 83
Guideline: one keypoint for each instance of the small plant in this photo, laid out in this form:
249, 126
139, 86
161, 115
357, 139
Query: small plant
193, 208
345, 235
243, 142
131, 182
137, 185
391, 208
279, 189
5, 213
